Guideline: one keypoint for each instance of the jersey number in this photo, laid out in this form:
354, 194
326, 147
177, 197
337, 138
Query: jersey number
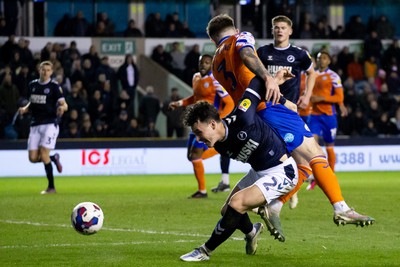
227, 74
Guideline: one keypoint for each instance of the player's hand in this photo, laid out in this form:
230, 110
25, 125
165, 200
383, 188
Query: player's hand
60, 111
343, 110
317, 99
303, 102
283, 75
174, 105
22, 110
272, 90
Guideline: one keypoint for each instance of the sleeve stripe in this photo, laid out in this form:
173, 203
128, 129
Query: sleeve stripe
251, 91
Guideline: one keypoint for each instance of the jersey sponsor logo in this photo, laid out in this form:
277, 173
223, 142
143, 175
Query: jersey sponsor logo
244, 105
273, 69
38, 99
247, 150
290, 58
242, 135
288, 138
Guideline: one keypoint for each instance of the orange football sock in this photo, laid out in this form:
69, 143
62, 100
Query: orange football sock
331, 157
209, 153
304, 172
326, 179
198, 168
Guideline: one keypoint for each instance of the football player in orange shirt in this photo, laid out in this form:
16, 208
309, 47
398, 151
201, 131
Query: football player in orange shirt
206, 88
234, 61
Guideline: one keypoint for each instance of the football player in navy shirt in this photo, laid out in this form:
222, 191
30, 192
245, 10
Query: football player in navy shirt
282, 55
47, 105
245, 137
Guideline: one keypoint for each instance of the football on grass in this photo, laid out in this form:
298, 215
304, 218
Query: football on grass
87, 218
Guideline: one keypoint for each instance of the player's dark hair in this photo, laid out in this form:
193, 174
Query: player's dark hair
325, 53
201, 111
219, 23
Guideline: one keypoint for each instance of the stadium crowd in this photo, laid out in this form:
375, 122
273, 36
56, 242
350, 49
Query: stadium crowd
101, 98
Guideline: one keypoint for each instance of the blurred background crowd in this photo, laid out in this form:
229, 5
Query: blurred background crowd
102, 98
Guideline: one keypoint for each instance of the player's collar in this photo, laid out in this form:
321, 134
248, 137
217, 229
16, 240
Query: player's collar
45, 82
223, 39
226, 131
282, 48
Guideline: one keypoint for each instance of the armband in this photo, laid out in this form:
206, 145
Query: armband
282, 100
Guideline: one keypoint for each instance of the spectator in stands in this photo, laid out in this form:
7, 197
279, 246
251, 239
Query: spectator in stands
369, 129
75, 100
343, 60
151, 130
93, 56
7, 48
384, 28
390, 55
109, 25
395, 120
172, 31
128, 76
133, 129
149, 107
355, 69
322, 30
359, 122
131, 30
89, 75
178, 59
100, 30
120, 125
339, 33
305, 31
186, 31
370, 68
162, 57
108, 71
79, 26
100, 129
355, 28
96, 106
72, 131
71, 116
386, 100
45, 52
124, 102
154, 25
15, 62
22, 80
62, 27
174, 117
174, 19
9, 95
373, 47
393, 83
25, 52
191, 64
86, 130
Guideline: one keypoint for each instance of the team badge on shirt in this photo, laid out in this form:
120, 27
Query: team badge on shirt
244, 105
290, 58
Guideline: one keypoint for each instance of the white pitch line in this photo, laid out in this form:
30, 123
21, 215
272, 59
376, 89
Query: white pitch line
108, 229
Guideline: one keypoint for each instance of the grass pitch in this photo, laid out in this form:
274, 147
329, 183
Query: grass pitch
150, 222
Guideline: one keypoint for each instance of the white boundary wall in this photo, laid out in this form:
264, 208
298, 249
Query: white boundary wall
77, 162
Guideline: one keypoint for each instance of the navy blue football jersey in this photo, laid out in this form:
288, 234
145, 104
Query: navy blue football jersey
44, 98
292, 58
249, 139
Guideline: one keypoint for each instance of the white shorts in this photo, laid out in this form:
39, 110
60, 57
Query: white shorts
272, 182
44, 135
